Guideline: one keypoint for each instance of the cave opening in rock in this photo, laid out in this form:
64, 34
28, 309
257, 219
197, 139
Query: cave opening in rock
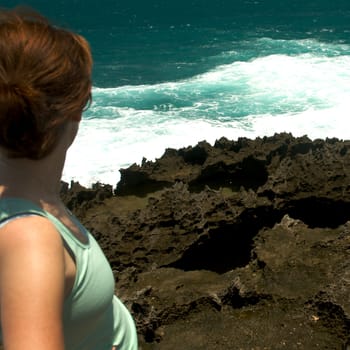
320, 212
223, 250
229, 246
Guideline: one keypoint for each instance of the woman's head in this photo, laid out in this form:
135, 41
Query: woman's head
45, 81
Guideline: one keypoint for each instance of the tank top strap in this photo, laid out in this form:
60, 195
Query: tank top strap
14, 207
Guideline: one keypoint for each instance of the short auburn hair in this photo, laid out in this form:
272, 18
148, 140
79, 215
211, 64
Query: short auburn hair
45, 80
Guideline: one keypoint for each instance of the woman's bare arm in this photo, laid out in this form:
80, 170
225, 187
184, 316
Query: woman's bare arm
32, 278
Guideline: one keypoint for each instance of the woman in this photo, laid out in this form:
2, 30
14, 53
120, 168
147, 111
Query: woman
56, 287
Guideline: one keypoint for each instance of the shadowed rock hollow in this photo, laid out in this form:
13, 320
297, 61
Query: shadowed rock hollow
240, 245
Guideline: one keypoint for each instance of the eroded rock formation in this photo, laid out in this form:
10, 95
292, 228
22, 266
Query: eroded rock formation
240, 245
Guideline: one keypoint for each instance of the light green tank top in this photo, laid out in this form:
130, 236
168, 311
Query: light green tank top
94, 318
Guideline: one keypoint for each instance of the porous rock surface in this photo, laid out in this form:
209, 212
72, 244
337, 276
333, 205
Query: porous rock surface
241, 245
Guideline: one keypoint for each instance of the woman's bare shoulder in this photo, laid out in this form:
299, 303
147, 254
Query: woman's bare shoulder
29, 231
32, 282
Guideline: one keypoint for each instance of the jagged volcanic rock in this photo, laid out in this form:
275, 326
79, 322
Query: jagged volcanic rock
240, 245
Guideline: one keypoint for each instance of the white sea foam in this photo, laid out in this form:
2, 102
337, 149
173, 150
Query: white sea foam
305, 94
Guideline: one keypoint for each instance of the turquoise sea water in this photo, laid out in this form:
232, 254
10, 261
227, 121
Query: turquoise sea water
170, 74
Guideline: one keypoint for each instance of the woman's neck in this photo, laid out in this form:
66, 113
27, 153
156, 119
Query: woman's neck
36, 180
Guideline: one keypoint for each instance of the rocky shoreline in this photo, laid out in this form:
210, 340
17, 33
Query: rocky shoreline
240, 245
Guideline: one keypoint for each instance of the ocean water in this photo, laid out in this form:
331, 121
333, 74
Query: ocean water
171, 74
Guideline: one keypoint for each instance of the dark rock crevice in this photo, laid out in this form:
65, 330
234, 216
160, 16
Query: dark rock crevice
230, 245
134, 182
235, 299
250, 173
332, 316
222, 250
319, 211
196, 155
